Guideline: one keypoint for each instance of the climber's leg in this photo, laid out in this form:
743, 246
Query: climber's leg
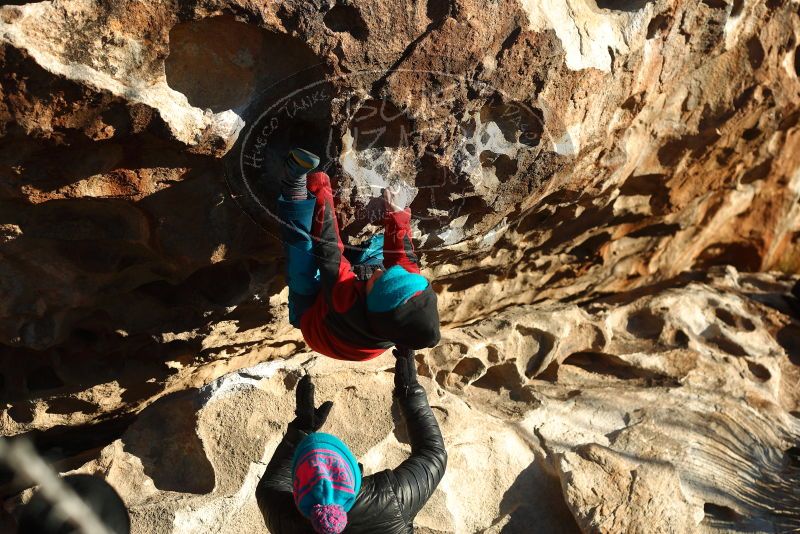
296, 212
297, 164
302, 274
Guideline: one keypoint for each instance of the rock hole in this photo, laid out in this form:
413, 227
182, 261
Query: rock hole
423, 369
518, 122
139, 391
550, 374
744, 97
645, 324
645, 184
468, 280
751, 133
469, 370
441, 377
759, 371
589, 249
545, 341
437, 9
21, 413
695, 145
498, 377
380, 124
622, 5
789, 338
727, 345
736, 8
745, 257
658, 24
347, 19
504, 167
724, 155
719, 512
755, 52
71, 405
716, 4
793, 456
510, 40
562, 197
681, 339
759, 172
633, 103
609, 365
43, 378
734, 321
656, 230
725, 316
598, 339
797, 61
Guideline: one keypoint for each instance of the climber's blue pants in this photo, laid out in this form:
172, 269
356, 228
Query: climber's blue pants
302, 274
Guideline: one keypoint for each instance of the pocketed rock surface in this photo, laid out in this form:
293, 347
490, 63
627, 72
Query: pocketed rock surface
608, 203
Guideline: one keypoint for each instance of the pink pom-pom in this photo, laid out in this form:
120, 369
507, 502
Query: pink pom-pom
328, 518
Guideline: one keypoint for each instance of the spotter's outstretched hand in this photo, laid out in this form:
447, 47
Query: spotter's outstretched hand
309, 418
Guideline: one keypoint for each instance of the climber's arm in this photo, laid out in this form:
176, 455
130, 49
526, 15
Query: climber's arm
398, 249
274, 490
417, 477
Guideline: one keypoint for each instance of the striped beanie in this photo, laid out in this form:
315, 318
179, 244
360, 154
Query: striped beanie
326, 480
394, 288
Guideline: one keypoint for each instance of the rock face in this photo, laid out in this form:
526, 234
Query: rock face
583, 169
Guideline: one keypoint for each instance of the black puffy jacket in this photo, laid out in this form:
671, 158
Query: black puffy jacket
388, 500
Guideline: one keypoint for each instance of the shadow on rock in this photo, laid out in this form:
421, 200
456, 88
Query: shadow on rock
536, 499
789, 338
165, 439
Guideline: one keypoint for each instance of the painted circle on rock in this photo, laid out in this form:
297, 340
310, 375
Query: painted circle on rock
379, 146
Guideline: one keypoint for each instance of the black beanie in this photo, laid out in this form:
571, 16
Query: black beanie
414, 324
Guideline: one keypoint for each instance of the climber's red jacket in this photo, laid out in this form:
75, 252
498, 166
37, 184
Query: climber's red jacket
336, 324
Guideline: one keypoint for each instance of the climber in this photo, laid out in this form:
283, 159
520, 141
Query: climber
345, 312
314, 478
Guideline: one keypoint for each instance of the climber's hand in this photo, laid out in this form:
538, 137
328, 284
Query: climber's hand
405, 370
309, 418
392, 200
